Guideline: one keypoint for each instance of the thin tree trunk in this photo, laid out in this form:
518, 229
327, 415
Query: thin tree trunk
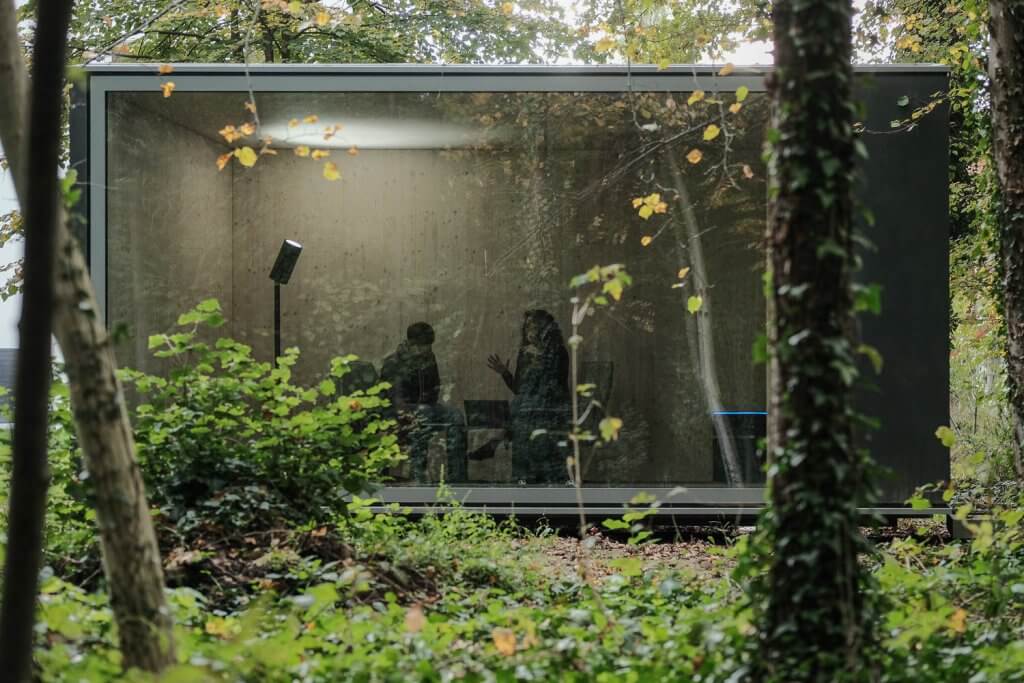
1006, 70
29, 476
131, 557
813, 627
704, 348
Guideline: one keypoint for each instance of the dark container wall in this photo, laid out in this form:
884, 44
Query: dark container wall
905, 185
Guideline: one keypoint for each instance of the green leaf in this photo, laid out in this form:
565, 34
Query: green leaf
903, 101
946, 435
741, 93
694, 303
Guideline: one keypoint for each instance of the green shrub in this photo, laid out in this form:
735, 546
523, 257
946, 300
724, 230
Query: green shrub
227, 439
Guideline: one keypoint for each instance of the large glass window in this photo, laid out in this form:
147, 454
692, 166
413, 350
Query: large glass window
442, 257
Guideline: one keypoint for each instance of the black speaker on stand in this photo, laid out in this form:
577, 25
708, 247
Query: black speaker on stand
284, 264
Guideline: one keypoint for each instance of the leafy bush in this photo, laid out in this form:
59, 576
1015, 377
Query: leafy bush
227, 439
70, 535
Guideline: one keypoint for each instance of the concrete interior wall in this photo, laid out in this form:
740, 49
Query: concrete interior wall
169, 238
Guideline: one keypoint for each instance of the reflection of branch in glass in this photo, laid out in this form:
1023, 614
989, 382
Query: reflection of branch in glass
703, 351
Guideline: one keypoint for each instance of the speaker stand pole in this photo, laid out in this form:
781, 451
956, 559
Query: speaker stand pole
277, 322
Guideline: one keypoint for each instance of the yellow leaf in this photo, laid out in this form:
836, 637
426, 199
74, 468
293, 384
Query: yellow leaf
637, 202
507, 8
694, 156
293, 123
741, 93
323, 18
168, 88
414, 619
223, 160
301, 151
747, 171
353, 151
331, 171
711, 132
165, 69
312, 118
683, 272
605, 45
246, 156
247, 129
645, 211
727, 69
318, 154
646, 240
735, 107
220, 627
505, 640
958, 620
251, 106
610, 427
694, 303
295, 7
695, 97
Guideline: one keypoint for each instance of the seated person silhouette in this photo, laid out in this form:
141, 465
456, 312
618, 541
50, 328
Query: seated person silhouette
540, 413
415, 389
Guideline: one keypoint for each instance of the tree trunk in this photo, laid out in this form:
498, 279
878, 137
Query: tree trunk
29, 476
131, 557
812, 626
1006, 70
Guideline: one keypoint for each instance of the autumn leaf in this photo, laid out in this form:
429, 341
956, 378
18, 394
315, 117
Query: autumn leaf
735, 107
312, 118
322, 19
415, 619
683, 272
247, 129
167, 88
165, 69
695, 97
229, 133
727, 69
246, 156
649, 205
605, 45
293, 123
505, 640
223, 160
958, 620
331, 171
507, 8
711, 132
301, 151
694, 303
610, 427
646, 240
741, 93
318, 154
694, 156
251, 106
747, 171
353, 151
331, 131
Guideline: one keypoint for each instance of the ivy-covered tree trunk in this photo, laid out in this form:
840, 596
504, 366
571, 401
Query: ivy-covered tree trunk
1006, 70
812, 623
131, 557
